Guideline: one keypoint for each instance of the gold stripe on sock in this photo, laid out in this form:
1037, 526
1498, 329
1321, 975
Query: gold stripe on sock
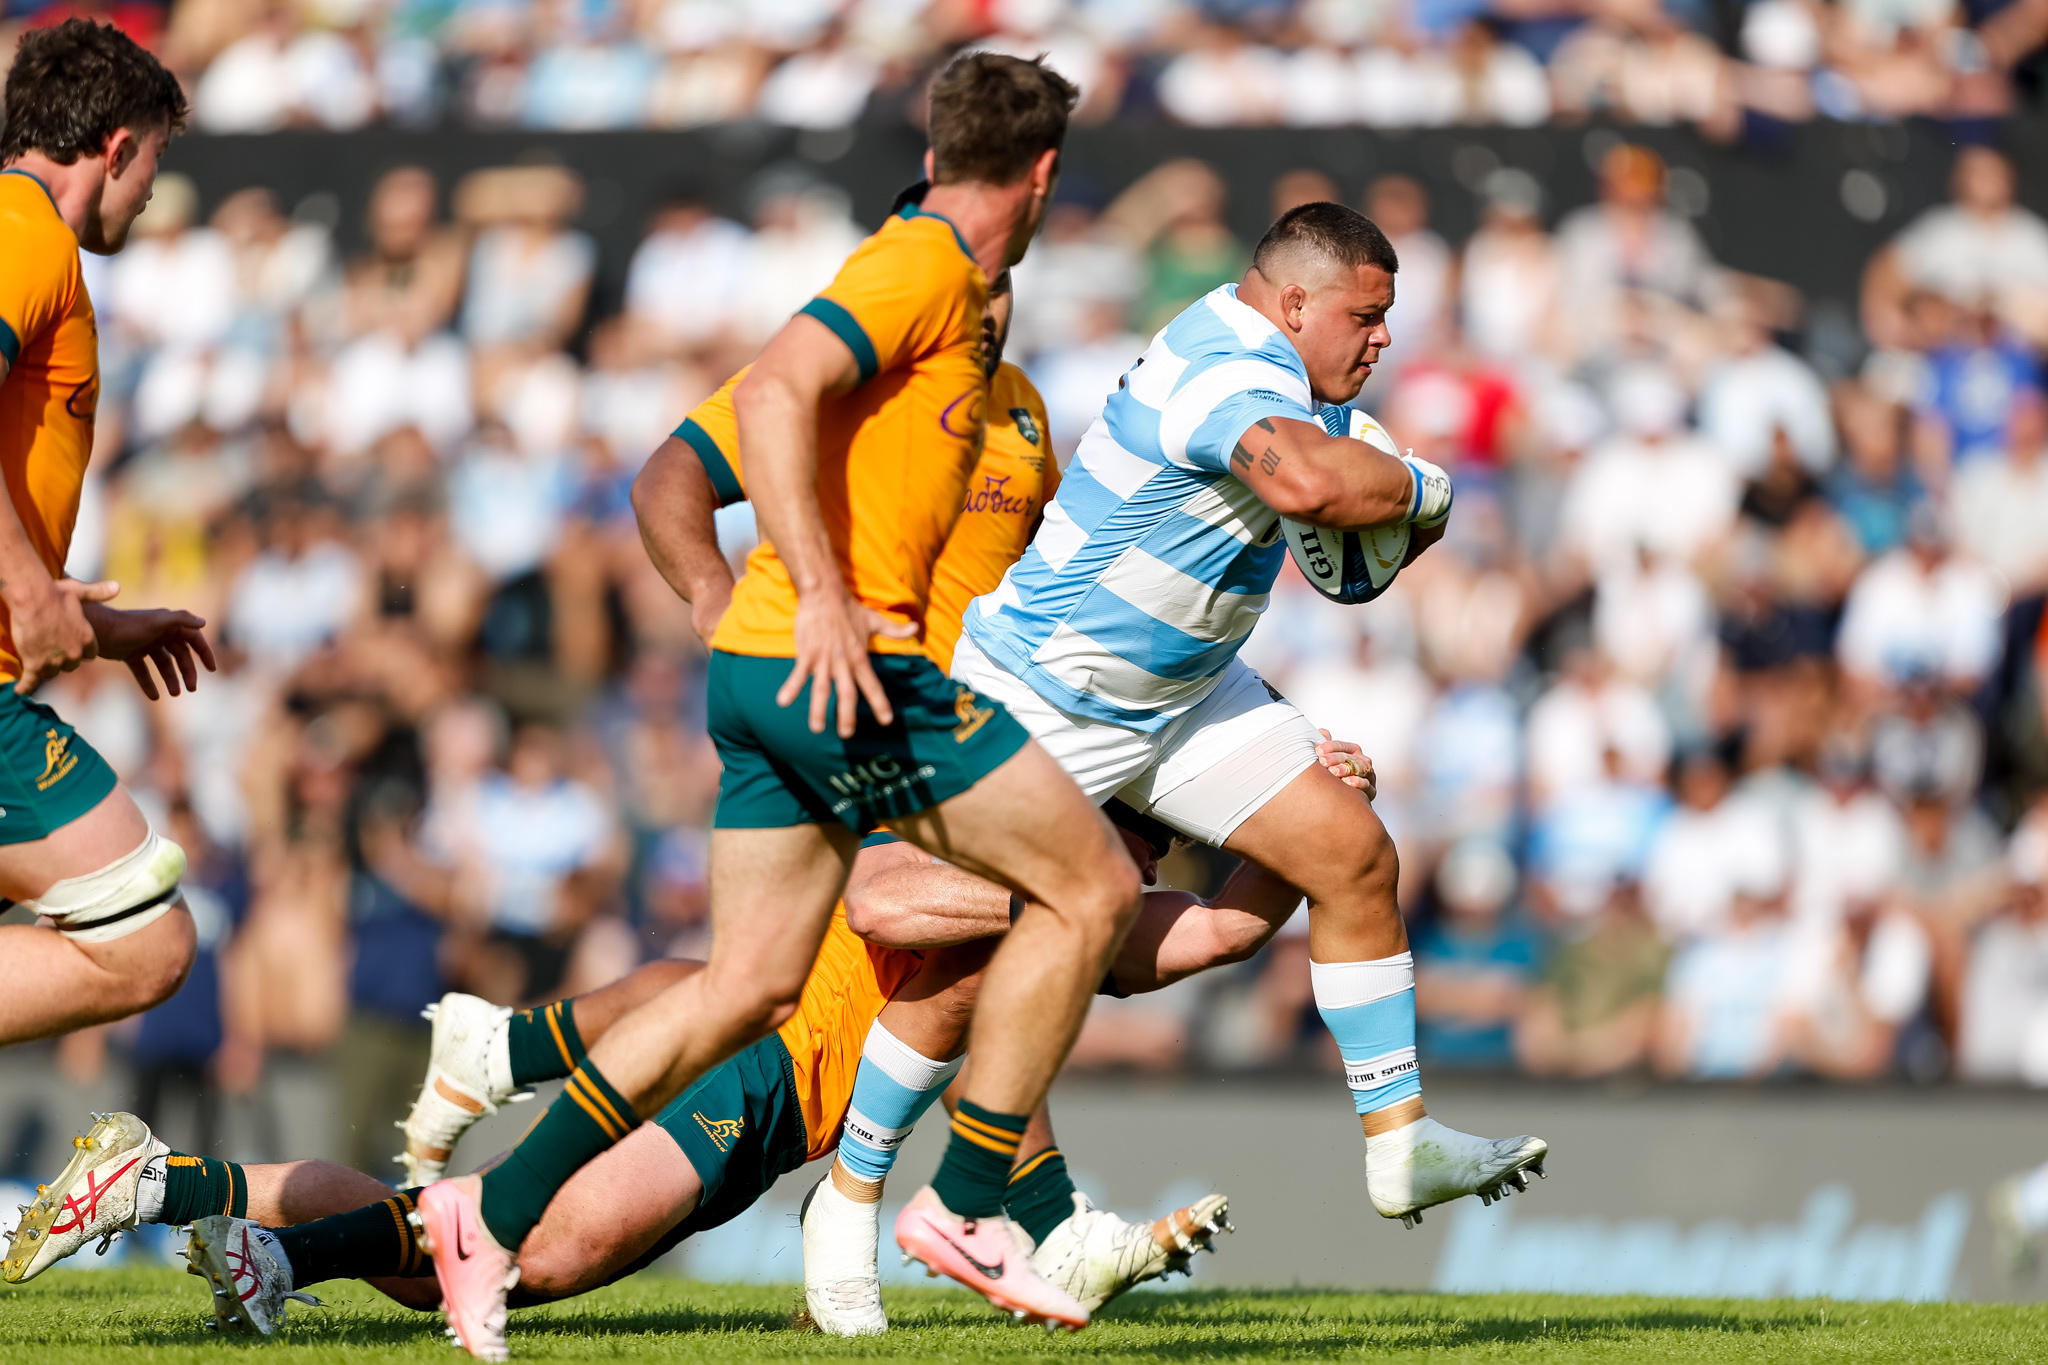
555, 1027
978, 1140
1028, 1167
574, 1092
229, 1168
413, 1254
404, 1242
599, 1095
1393, 1116
1013, 1137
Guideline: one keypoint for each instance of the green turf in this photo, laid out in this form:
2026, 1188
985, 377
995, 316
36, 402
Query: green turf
154, 1315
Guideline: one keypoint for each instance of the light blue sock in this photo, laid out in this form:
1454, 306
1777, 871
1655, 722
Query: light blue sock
1369, 1008
891, 1090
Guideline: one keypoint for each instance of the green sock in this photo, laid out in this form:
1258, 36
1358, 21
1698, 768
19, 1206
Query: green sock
544, 1043
199, 1186
585, 1120
374, 1240
971, 1179
1040, 1195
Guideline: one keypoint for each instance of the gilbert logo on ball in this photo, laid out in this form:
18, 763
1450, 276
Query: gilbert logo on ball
1349, 566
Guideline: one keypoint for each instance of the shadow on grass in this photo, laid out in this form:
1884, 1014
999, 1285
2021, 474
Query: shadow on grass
1441, 1320
1192, 1325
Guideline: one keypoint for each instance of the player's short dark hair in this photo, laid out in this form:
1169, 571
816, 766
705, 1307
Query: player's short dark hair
74, 84
992, 116
1332, 231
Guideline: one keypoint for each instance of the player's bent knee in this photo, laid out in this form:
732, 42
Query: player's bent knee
553, 1270
159, 978
125, 897
1380, 860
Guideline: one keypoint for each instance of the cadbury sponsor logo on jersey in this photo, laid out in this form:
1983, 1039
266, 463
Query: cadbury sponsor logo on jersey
994, 496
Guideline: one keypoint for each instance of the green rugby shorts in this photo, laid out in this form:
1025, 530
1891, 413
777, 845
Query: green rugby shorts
49, 775
944, 739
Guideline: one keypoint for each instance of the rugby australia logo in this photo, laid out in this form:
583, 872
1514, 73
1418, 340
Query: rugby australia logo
58, 760
720, 1131
972, 717
1027, 426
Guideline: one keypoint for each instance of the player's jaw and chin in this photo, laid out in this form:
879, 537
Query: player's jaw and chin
125, 188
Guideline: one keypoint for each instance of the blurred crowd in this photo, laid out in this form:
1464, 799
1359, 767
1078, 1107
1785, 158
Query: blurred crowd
1709, 737
1727, 67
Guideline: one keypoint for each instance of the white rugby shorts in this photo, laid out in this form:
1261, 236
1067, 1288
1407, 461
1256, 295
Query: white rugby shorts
1204, 774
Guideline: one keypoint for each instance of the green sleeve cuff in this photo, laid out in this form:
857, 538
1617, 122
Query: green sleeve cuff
724, 482
879, 838
847, 330
10, 344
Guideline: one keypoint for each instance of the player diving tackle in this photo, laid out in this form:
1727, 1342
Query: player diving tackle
901, 1051
861, 424
263, 1233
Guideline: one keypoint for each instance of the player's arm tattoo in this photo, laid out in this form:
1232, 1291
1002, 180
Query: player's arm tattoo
1268, 459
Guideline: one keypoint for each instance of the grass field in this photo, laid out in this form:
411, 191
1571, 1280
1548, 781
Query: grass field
155, 1315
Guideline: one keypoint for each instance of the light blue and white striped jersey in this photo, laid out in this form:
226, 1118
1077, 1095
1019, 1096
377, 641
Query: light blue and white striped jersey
1154, 560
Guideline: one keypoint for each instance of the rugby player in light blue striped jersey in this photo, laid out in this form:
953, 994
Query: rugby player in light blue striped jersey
1115, 639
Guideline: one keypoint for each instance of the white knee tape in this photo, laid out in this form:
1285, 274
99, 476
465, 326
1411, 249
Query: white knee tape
127, 894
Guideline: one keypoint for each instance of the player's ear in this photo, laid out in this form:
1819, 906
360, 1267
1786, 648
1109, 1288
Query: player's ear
1045, 172
1293, 301
120, 150
931, 173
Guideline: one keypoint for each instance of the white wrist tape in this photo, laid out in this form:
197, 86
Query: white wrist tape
128, 894
1430, 505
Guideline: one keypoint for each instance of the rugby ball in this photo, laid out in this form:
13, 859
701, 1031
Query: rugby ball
1350, 566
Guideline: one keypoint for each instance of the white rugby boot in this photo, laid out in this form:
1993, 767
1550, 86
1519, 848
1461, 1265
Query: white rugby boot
469, 1074
249, 1274
1423, 1164
94, 1197
1095, 1255
842, 1237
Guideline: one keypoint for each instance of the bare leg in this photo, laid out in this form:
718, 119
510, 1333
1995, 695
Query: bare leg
1323, 836
607, 1216
58, 984
596, 1011
288, 1192
1028, 826
931, 1016
772, 892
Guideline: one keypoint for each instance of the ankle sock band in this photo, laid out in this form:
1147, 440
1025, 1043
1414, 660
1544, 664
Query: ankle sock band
199, 1186
1040, 1195
976, 1170
892, 1088
1369, 1008
544, 1043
